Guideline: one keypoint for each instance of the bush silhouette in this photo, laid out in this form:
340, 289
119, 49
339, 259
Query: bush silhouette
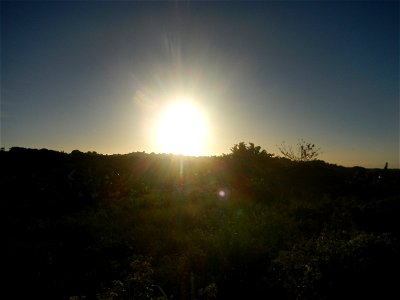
304, 151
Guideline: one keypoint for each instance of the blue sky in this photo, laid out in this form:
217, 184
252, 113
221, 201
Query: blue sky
95, 76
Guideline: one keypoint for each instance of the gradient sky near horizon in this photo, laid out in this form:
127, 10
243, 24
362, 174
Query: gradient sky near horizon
95, 76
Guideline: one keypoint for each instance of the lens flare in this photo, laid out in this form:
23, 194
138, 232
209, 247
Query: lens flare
222, 193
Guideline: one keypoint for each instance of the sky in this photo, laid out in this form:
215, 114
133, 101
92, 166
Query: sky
97, 75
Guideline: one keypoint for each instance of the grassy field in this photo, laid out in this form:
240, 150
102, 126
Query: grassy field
153, 226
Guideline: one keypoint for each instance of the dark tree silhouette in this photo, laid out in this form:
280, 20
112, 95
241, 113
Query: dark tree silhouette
242, 150
304, 151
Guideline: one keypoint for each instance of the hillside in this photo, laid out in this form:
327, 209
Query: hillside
157, 226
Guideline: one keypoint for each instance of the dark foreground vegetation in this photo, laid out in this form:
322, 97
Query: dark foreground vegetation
246, 225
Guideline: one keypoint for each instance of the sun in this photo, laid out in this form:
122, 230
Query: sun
182, 129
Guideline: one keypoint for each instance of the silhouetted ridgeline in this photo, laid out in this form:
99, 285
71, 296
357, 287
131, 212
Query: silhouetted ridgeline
157, 226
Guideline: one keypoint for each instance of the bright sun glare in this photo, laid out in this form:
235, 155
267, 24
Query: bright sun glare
182, 130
